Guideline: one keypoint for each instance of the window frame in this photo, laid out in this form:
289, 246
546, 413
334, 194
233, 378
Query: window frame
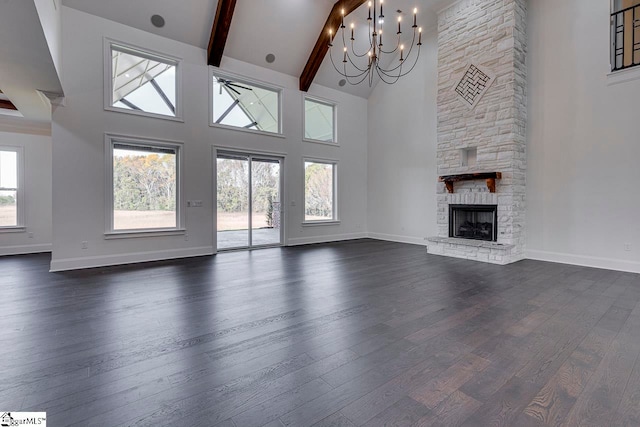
334, 106
110, 232
252, 82
109, 44
20, 192
335, 218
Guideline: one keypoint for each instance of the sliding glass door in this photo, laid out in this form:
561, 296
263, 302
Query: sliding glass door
249, 210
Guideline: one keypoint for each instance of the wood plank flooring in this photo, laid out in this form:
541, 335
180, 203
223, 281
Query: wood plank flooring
359, 333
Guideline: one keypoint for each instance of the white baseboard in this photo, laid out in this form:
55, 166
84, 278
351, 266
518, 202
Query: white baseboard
25, 249
130, 258
325, 239
585, 261
400, 239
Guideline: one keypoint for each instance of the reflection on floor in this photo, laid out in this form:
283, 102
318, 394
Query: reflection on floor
240, 238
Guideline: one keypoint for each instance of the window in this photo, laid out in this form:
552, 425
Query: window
240, 104
145, 185
11, 197
142, 83
319, 191
319, 121
625, 34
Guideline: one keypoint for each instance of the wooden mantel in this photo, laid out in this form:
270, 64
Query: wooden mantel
490, 177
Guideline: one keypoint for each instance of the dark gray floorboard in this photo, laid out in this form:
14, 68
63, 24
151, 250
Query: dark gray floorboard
357, 333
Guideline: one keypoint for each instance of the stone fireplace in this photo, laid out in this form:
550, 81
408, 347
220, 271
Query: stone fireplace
481, 130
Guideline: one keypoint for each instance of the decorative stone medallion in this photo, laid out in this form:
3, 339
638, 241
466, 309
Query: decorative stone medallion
474, 84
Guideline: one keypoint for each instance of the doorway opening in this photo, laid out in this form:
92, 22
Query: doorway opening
248, 200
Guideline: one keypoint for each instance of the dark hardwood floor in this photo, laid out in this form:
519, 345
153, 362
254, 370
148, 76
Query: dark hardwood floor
346, 334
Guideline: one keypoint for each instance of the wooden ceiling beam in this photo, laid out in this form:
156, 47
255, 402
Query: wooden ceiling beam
220, 31
322, 45
7, 105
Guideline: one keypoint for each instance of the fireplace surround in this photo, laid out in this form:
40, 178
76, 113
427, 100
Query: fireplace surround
490, 35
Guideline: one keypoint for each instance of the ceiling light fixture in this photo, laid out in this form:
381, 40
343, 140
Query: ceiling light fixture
354, 68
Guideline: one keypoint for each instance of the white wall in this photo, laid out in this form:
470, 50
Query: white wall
402, 153
37, 191
78, 151
583, 143
582, 148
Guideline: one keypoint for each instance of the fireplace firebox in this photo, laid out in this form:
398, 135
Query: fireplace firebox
476, 222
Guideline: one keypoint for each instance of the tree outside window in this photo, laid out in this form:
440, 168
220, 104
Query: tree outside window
144, 187
319, 194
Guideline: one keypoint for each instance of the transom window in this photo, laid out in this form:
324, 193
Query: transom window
319, 191
319, 120
142, 82
625, 34
145, 188
11, 198
245, 105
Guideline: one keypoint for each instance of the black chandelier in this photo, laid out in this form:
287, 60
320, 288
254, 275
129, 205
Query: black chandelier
354, 68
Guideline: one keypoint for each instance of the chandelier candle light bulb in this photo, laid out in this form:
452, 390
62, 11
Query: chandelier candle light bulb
379, 60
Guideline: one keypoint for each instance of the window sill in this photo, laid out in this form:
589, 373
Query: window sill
16, 229
319, 223
623, 76
238, 129
143, 114
317, 141
131, 234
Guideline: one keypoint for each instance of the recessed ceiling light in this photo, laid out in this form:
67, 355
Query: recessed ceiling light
270, 58
342, 82
127, 75
157, 21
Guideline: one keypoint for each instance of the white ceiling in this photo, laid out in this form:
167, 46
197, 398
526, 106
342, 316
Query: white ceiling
188, 21
286, 28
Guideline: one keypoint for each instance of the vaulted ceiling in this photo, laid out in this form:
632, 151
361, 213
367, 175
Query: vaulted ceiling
287, 29
27, 69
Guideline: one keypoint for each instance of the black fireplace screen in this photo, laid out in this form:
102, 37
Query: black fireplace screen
477, 222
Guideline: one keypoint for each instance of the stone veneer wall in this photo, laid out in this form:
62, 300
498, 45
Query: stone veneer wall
491, 34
